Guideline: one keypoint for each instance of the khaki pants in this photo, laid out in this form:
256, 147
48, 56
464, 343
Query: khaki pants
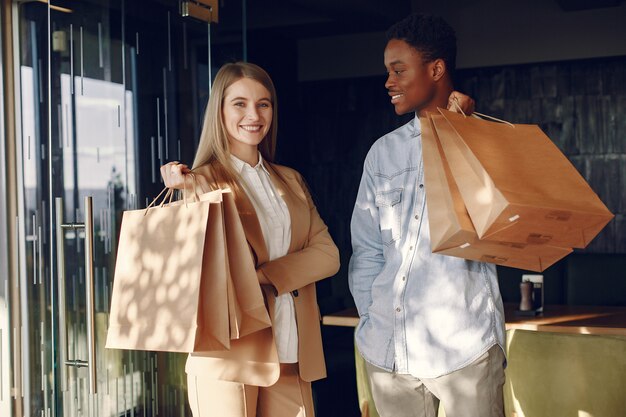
290, 396
473, 391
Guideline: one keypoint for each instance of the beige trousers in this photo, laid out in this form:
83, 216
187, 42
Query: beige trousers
473, 391
290, 396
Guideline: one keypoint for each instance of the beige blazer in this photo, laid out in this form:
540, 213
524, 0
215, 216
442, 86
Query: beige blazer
312, 256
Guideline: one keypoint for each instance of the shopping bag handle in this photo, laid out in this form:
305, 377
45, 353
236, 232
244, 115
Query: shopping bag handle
477, 115
167, 196
193, 187
169, 193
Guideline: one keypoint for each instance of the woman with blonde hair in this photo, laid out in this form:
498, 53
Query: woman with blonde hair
270, 373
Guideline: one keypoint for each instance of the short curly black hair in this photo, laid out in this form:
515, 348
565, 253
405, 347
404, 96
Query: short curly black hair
430, 35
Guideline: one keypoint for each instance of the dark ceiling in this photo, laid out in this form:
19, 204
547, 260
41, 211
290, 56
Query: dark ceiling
312, 18
574, 5
309, 18
298, 19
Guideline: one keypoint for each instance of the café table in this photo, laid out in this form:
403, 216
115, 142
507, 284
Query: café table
555, 318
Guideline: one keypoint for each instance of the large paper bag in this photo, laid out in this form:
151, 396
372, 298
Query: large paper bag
451, 229
173, 288
170, 280
517, 185
251, 309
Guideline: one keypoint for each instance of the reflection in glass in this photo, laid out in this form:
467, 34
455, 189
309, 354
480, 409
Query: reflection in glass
98, 117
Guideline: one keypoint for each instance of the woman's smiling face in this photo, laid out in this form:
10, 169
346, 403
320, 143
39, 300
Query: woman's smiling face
247, 112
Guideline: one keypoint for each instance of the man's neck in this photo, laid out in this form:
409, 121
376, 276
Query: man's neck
440, 100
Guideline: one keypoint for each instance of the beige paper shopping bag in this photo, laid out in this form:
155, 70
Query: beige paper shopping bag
173, 288
251, 304
248, 311
517, 185
451, 229
170, 280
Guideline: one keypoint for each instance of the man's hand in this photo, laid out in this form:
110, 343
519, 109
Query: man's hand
466, 103
173, 174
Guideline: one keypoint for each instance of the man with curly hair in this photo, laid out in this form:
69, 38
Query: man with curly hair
431, 326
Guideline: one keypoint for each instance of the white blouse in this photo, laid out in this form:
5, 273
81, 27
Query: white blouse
275, 221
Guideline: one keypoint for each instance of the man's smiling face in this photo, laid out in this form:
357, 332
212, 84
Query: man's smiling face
410, 80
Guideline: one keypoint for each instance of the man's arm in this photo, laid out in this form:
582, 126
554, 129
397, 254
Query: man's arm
367, 247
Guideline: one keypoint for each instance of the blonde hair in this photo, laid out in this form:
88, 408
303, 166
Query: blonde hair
214, 145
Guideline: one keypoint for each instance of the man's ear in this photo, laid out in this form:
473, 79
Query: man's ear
438, 68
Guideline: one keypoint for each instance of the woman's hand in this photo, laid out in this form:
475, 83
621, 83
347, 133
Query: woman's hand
173, 174
262, 278
466, 103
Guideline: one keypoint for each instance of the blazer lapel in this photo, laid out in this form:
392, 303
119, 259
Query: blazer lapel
285, 186
251, 226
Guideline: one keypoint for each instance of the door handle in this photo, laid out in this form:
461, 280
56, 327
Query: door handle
89, 289
90, 363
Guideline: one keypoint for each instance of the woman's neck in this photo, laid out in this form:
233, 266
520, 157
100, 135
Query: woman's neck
248, 154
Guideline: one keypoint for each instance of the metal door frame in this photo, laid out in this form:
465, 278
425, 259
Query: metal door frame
5, 322
10, 378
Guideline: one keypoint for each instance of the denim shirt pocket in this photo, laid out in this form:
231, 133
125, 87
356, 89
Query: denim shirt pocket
389, 205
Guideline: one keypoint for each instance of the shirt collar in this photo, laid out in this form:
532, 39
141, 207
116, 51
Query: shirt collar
241, 165
417, 126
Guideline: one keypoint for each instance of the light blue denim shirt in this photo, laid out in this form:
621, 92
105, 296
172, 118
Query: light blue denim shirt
421, 313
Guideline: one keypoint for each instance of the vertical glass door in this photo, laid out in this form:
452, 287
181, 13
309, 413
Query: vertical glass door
109, 90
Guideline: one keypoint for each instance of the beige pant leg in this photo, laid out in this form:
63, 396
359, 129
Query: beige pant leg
213, 398
290, 396
400, 395
474, 391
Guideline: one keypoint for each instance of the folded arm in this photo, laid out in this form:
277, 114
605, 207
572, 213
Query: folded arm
318, 259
